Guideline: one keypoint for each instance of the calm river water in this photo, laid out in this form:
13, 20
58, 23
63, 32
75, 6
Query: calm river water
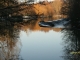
38, 45
28, 41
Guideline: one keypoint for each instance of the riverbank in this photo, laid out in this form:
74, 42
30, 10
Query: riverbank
44, 9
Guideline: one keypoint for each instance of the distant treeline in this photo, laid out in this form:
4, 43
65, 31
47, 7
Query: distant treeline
5, 3
64, 7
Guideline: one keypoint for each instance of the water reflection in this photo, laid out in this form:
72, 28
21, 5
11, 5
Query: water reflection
72, 35
9, 43
33, 25
39, 45
71, 44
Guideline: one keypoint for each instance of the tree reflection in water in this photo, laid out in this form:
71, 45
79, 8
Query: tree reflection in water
72, 35
10, 45
72, 44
